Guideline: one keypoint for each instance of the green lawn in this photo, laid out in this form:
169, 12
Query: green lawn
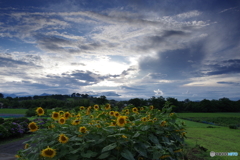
219, 139
222, 114
13, 111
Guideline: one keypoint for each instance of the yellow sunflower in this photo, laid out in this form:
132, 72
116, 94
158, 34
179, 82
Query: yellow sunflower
179, 150
141, 109
154, 119
135, 110
26, 146
48, 152
62, 120
63, 138
140, 158
82, 107
17, 156
171, 114
121, 121
111, 113
116, 114
61, 112
163, 123
151, 107
32, 127
164, 156
75, 122
123, 136
40, 111
143, 119
67, 115
51, 126
82, 129
96, 107
107, 106
55, 115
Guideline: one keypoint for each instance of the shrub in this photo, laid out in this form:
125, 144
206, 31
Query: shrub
3, 132
233, 126
1, 120
13, 128
31, 112
107, 134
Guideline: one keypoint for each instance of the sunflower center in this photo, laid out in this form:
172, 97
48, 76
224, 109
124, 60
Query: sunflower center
33, 126
121, 121
63, 138
49, 152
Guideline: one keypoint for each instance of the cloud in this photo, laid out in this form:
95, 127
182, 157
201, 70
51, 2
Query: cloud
230, 83
158, 92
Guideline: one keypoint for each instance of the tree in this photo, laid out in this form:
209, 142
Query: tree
1, 95
102, 100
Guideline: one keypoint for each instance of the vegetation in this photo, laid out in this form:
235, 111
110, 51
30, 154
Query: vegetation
100, 132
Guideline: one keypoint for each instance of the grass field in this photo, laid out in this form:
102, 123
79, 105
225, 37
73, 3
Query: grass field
219, 139
221, 114
13, 111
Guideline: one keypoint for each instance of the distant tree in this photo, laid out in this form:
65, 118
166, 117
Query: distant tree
102, 100
78, 95
84, 95
73, 95
135, 101
1, 95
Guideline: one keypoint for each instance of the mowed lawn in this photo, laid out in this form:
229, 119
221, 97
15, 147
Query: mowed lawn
219, 139
13, 111
220, 114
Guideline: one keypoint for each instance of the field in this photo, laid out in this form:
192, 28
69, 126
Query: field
217, 138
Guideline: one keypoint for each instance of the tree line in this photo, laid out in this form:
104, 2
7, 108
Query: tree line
76, 99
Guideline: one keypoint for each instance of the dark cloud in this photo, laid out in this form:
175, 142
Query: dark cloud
129, 88
78, 64
224, 67
230, 83
175, 64
10, 62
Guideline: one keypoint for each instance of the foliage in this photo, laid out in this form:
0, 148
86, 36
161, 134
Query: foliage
101, 133
233, 126
31, 112
1, 120
13, 128
3, 131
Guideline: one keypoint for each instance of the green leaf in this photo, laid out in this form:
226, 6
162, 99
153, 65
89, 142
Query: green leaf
144, 128
157, 155
141, 149
109, 147
153, 138
89, 154
127, 154
104, 155
136, 135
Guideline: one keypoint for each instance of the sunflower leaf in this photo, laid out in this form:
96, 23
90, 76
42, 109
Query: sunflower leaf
109, 147
127, 154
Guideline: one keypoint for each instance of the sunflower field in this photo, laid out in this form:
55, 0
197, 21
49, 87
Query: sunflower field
99, 132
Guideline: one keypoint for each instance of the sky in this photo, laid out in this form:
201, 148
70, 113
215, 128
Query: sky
122, 49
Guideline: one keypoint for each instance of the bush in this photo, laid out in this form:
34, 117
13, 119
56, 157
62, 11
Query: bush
3, 132
233, 126
13, 128
1, 120
31, 112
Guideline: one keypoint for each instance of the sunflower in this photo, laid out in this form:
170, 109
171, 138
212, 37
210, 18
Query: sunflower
63, 138
179, 150
135, 110
123, 136
113, 124
82, 129
183, 134
55, 115
75, 122
96, 107
48, 152
61, 112
88, 110
82, 107
143, 119
91, 116
17, 156
155, 119
163, 123
171, 114
121, 121
151, 107
140, 158
107, 106
51, 126
67, 115
62, 120
32, 127
26, 146
111, 113
141, 109
127, 113
116, 114
164, 156
40, 111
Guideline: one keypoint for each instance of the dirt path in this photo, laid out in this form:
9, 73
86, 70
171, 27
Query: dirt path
9, 150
